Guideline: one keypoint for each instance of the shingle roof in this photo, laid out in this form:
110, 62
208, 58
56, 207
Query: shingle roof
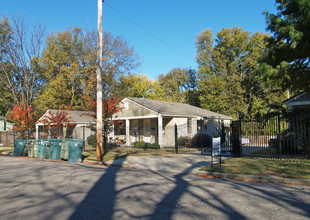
301, 99
76, 116
176, 109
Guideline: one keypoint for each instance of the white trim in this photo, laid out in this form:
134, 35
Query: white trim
135, 117
42, 117
73, 122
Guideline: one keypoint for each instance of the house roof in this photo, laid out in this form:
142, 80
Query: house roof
176, 109
301, 99
76, 117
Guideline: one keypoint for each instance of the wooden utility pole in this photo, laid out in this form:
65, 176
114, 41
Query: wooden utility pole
99, 84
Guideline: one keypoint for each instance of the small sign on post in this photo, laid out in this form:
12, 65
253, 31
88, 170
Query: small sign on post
216, 149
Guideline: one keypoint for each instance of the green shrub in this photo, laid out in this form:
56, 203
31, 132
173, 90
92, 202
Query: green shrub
154, 146
145, 146
206, 141
184, 141
92, 140
138, 144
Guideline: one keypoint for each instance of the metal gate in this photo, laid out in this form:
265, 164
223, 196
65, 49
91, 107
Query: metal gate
284, 135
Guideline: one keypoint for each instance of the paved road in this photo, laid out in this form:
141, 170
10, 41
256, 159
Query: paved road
34, 189
176, 163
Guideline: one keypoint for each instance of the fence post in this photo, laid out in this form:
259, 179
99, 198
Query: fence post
201, 140
236, 127
176, 138
279, 135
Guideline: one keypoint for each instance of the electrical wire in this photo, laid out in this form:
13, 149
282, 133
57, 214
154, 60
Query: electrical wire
147, 31
163, 16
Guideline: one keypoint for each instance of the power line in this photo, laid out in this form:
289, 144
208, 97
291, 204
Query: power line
147, 31
163, 16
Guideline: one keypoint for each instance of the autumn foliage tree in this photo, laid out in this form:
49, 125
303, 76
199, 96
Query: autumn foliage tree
22, 117
109, 107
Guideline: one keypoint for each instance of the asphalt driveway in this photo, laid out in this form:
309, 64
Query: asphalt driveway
35, 189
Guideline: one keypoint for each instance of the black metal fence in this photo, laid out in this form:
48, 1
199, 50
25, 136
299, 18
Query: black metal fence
201, 141
284, 135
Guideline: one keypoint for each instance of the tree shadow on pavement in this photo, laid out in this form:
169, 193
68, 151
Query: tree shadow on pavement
166, 207
100, 200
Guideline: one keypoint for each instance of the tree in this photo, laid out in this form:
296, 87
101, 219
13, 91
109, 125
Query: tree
178, 85
289, 47
20, 48
137, 85
109, 107
22, 117
227, 78
6, 98
69, 66
119, 60
62, 67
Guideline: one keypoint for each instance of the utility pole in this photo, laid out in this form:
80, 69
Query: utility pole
99, 84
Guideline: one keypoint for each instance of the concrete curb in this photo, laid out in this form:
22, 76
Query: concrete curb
251, 178
236, 177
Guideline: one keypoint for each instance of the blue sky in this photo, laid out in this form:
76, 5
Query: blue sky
163, 32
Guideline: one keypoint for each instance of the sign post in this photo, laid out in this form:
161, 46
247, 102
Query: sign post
216, 149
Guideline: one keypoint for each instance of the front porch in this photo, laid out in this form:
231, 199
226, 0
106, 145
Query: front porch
128, 131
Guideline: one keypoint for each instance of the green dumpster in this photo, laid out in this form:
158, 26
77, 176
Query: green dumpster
43, 149
32, 148
64, 152
75, 150
55, 147
19, 147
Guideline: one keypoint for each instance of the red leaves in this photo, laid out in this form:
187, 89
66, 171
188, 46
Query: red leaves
109, 107
55, 121
22, 117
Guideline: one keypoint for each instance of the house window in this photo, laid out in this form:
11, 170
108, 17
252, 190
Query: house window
147, 126
189, 126
205, 125
199, 125
119, 128
126, 106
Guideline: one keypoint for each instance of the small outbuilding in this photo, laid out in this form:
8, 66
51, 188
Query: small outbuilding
79, 124
298, 102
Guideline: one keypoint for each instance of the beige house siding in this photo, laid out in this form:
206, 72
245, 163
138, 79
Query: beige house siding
168, 135
132, 110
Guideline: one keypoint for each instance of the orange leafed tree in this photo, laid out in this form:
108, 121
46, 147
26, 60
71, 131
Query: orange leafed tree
21, 117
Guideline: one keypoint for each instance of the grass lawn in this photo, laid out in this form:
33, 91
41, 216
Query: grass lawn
7, 150
124, 152
299, 169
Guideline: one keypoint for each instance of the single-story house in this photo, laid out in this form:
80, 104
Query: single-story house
301, 102
5, 125
153, 121
79, 125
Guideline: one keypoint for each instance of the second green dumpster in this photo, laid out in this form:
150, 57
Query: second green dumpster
43, 149
55, 147
75, 150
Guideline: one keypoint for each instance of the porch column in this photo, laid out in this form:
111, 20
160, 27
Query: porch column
127, 132
37, 132
160, 131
